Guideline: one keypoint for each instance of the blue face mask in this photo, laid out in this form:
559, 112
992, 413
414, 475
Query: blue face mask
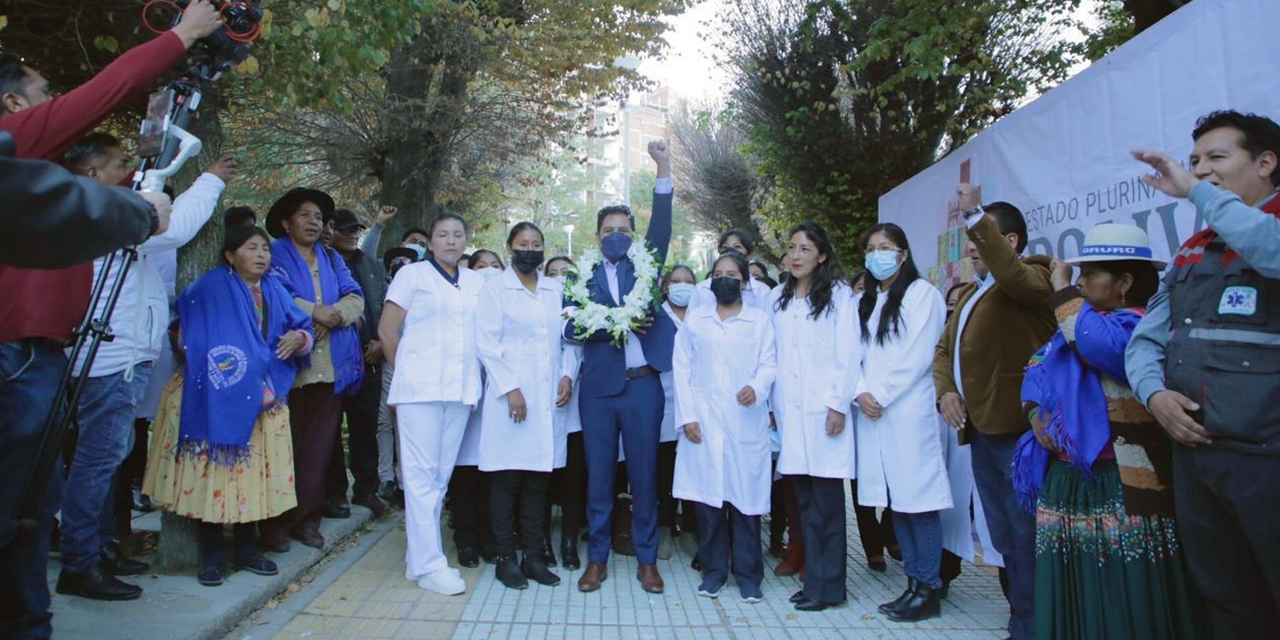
615, 246
679, 293
416, 248
882, 263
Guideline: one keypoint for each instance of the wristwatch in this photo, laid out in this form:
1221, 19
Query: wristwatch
155, 222
976, 211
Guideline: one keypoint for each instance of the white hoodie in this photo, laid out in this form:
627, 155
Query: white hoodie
141, 318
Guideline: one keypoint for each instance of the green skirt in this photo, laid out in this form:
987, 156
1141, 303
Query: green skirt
1104, 575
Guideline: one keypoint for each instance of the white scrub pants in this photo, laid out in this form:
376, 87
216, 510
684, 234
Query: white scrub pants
430, 436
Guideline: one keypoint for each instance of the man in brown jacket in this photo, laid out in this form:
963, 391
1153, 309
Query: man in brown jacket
1000, 322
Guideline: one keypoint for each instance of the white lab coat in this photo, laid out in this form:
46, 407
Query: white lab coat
714, 359
958, 528
817, 370
668, 431
567, 417
900, 455
757, 294
469, 450
436, 360
518, 339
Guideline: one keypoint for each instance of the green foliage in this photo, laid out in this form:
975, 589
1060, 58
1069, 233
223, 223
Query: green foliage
1115, 27
841, 100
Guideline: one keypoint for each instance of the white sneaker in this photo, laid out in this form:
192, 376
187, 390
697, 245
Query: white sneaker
443, 581
455, 572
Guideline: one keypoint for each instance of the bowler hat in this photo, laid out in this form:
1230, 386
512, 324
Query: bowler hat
289, 203
398, 252
1110, 241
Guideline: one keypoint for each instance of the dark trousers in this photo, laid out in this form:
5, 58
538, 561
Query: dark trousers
315, 415
717, 543
636, 414
821, 502
666, 477
361, 411
876, 535
777, 509
523, 495
213, 544
129, 476
29, 375
1229, 519
1013, 529
468, 498
569, 489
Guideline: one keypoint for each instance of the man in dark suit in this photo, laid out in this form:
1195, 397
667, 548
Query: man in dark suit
621, 392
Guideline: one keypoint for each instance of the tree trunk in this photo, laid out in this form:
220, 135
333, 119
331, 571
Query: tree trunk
423, 112
178, 550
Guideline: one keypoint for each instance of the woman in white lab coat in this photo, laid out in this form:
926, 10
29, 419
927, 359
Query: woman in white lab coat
723, 365
433, 389
818, 354
678, 289
518, 338
900, 456
568, 483
468, 495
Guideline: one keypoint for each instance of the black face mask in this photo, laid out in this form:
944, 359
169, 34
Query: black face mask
526, 261
727, 290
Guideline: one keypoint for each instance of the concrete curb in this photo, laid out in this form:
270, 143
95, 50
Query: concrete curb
176, 607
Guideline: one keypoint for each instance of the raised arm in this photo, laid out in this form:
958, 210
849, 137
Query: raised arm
660, 224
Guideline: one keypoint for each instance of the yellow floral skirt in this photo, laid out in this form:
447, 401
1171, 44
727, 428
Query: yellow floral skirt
191, 485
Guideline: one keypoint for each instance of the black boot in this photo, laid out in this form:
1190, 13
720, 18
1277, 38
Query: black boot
509, 574
96, 583
923, 604
548, 556
569, 553
115, 561
535, 569
467, 556
898, 602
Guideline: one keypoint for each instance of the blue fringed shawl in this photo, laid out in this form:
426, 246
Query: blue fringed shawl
335, 282
229, 360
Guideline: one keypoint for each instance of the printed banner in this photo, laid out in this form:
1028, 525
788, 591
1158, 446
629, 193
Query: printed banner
1064, 160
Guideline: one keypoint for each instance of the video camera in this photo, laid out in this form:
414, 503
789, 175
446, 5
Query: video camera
225, 48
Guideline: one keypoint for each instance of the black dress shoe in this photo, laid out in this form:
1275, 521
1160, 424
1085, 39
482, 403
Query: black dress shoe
534, 569
877, 564
486, 552
945, 590
387, 491
923, 604
696, 564
811, 605
509, 573
548, 556
468, 557
96, 583
797, 597
897, 602
337, 511
569, 554
118, 565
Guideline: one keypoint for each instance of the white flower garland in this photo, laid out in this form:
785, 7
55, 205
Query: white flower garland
591, 316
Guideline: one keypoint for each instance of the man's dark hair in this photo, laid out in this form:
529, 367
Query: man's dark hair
13, 73
617, 209
423, 232
743, 237
1258, 133
88, 150
1009, 220
238, 216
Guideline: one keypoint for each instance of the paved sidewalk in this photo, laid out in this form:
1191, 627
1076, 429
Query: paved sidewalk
374, 600
176, 607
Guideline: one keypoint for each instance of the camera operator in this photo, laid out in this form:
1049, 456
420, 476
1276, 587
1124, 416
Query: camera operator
53, 219
40, 309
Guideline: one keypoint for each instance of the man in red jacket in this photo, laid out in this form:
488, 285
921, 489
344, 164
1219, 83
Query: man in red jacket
40, 309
